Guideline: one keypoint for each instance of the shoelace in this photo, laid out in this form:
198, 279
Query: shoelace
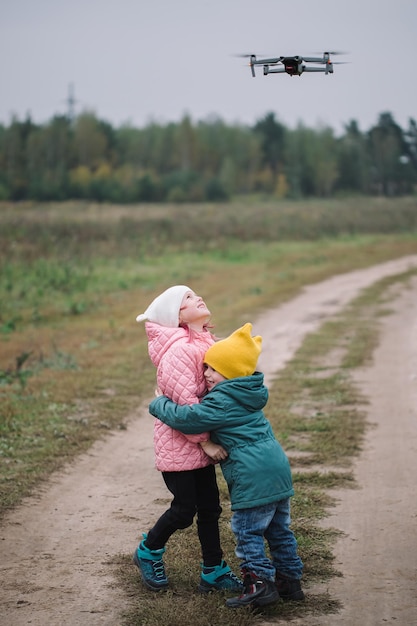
159, 569
235, 578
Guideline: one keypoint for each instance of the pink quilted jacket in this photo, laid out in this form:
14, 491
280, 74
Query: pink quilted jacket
178, 354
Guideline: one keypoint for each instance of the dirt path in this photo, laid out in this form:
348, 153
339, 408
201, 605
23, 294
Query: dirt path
55, 547
377, 553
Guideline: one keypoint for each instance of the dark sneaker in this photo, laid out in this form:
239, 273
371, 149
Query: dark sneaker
151, 567
289, 589
219, 578
256, 592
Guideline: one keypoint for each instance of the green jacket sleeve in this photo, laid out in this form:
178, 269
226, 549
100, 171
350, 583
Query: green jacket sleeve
189, 419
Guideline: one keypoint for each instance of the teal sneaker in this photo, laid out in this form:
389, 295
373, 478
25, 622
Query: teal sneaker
151, 566
219, 578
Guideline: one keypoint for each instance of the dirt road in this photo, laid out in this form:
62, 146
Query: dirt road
55, 547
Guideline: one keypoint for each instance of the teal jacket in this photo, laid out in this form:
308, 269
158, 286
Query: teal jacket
257, 470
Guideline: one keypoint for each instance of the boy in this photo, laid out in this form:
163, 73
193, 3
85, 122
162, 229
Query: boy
256, 469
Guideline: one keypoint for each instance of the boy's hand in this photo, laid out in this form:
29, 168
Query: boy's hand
214, 451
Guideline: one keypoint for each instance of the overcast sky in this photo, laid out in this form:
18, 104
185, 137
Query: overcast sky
132, 61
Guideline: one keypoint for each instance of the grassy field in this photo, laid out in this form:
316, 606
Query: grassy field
74, 364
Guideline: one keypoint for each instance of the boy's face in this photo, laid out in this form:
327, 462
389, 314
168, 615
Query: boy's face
212, 377
193, 309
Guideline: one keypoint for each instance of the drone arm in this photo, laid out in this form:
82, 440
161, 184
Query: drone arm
328, 69
315, 59
273, 61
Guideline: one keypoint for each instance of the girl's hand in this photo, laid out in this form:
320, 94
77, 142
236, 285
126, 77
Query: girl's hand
214, 451
158, 392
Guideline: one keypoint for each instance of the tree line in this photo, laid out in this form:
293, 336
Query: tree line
87, 158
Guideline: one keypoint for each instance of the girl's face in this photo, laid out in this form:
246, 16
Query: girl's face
212, 377
193, 311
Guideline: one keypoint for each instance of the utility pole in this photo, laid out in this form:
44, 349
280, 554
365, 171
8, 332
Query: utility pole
71, 101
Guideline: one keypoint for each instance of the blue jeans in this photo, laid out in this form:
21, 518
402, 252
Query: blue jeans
270, 522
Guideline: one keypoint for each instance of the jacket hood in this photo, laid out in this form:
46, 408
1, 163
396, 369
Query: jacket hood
248, 391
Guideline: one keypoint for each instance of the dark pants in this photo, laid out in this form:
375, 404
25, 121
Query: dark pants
195, 492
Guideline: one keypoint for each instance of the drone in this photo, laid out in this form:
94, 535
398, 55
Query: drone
293, 65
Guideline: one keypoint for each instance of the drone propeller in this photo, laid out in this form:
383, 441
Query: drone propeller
247, 56
332, 52
252, 58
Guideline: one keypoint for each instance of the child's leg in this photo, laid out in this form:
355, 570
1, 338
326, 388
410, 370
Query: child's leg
249, 527
283, 546
282, 542
259, 587
216, 574
148, 555
181, 513
208, 514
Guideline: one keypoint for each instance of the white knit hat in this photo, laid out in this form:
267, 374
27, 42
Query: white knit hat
165, 309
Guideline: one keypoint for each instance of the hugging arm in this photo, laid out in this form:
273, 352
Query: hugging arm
185, 392
189, 419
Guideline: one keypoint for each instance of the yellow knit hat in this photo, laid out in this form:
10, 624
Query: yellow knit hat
237, 355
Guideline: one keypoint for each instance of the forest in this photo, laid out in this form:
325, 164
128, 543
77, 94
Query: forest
87, 158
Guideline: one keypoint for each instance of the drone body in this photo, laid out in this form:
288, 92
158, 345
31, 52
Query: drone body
293, 65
